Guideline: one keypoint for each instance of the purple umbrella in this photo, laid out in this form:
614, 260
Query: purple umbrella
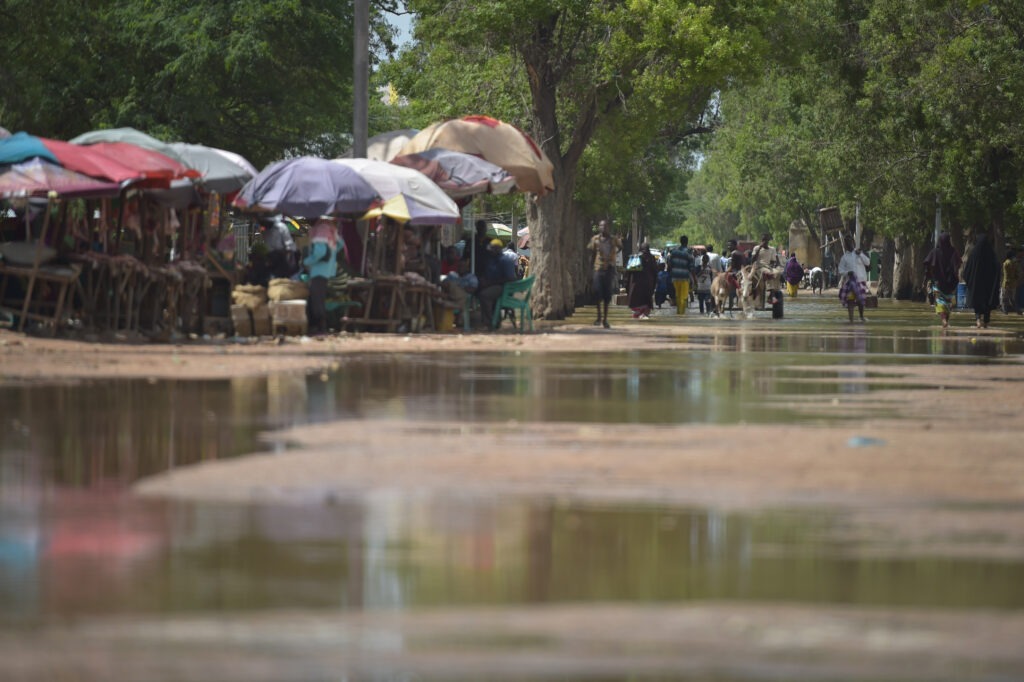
307, 187
457, 173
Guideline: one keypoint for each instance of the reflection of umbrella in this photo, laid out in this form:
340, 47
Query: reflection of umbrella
459, 174
39, 177
385, 146
217, 172
500, 143
405, 209
307, 187
390, 180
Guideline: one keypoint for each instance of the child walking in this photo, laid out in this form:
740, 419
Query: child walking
704, 278
852, 294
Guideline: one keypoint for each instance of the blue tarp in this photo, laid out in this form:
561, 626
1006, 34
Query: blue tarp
21, 147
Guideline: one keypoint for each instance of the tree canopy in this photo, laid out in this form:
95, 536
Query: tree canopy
713, 118
258, 77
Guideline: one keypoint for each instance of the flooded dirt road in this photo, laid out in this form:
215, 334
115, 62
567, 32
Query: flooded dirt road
676, 499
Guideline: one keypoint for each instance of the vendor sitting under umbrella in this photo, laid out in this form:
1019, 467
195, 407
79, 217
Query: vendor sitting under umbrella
499, 268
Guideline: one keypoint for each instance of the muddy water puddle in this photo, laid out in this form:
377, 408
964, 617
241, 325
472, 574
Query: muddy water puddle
75, 544
88, 555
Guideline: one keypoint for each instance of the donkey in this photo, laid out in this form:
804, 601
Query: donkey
722, 289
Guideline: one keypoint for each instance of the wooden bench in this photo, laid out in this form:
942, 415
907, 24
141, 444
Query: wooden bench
32, 306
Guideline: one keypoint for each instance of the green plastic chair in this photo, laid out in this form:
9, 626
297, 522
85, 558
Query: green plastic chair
514, 296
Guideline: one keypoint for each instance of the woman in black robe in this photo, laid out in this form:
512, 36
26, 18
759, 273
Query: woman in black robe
942, 266
982, 274
642, 283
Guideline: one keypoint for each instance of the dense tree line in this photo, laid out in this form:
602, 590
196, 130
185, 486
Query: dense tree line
258, 77
715, 118
904, 106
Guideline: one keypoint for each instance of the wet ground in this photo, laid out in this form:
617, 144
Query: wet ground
435, 567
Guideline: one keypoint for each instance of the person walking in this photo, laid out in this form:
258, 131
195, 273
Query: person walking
705, 275
764, 261
1011, 280
642, 283
663, 290
605, 247
714, 260
793, 274
982, 274
322, 264
680, 265
856, 261
942, 267
851, 294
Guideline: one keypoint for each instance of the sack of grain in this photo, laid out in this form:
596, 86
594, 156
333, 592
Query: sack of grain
252, 296
287, 290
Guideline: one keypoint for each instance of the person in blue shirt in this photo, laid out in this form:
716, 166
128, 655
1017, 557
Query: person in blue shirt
322, 265
499, 267
681, 267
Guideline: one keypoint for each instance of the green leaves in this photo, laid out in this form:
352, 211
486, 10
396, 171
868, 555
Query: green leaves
260, 77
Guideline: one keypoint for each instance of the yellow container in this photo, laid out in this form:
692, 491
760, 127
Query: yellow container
444, 318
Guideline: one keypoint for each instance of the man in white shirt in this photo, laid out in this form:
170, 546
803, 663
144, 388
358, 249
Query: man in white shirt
855, 261
714, 259
764, 260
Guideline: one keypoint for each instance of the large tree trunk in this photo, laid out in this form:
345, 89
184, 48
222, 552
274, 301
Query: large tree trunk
554, 246
885, 268
903, 270
908, 274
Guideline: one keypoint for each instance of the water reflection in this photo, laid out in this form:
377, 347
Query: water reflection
72, 542
114, 432
393, 552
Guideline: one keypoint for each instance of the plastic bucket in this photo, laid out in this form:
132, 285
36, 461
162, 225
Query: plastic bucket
961, 295
444, 318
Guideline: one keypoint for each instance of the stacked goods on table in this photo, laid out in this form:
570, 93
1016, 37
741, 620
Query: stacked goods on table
249, 312
288, 306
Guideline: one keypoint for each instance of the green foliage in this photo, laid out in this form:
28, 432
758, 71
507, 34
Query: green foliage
891, 103
259, 77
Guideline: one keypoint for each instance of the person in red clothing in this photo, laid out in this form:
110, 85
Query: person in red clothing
450, 261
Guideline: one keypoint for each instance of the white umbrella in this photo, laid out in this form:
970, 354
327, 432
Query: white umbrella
390, 180
217, 172
238, 159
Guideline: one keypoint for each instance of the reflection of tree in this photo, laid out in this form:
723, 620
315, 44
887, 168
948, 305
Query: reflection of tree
539, 538
117, 431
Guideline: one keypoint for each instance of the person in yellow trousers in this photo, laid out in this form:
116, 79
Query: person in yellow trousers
681, 268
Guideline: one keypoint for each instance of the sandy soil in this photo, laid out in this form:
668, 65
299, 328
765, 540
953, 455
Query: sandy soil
942, 475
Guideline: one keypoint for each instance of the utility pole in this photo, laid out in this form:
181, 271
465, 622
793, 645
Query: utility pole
361, 78
856, 222
938, 221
